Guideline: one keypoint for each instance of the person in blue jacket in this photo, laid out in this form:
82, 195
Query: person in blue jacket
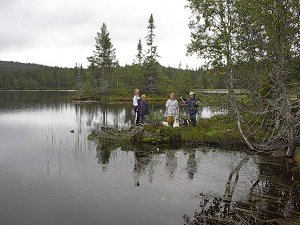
193, 105
145, 110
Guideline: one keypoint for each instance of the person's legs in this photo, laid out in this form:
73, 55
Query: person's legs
193, 119
170, 120
138, 118
137, 115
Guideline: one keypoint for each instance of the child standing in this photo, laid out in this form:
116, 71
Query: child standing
145, 111
172, 109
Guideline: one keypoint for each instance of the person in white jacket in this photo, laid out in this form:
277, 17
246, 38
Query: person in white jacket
136, 102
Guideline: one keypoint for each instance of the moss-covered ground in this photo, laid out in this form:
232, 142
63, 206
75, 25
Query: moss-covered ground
220, 130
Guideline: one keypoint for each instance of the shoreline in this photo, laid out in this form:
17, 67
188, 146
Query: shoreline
35, 90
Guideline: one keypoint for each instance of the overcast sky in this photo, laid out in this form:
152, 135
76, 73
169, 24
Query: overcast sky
62, 32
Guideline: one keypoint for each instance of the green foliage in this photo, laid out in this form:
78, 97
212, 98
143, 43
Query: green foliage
162, 135
104, 55
21, 76
122, 81
88, 87
213, 30
103, 60
219, 130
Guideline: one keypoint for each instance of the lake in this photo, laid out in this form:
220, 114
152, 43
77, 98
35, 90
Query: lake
50, 175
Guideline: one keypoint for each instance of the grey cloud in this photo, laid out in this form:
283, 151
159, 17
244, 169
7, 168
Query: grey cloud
26, 25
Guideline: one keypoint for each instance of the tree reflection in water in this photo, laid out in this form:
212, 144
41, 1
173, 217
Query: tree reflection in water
171, 163
191, 165
103, 155
141, 162
272, 200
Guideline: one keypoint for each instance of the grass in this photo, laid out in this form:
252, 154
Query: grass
220, 130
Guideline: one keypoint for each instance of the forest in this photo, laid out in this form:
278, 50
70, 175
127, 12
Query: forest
27, 76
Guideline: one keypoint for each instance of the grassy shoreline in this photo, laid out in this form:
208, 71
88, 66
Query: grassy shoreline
205, 99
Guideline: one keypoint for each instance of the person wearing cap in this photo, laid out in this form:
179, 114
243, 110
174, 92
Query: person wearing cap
136, 106
193, 105
145, 110
172, 109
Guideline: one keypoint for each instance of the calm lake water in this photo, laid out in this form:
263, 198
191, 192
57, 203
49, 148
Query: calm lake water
50, 175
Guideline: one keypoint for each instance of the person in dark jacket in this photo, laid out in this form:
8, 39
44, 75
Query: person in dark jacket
193, 105
145, 110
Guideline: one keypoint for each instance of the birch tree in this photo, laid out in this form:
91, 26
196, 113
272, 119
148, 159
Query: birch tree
264, 36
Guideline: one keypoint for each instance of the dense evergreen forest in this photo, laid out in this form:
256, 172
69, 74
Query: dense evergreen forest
21, 76
24, 76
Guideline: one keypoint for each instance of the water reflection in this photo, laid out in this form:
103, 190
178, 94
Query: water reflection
191, 165
87, 114
48, 170
270, 200
142, 160
171, 163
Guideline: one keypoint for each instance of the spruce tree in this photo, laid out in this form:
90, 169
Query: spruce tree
79, 79
104, 58
151, 64
139, 57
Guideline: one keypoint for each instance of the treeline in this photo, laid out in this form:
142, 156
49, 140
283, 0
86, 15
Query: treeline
22, 76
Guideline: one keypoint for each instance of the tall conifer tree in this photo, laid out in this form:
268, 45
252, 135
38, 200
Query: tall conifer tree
104, 58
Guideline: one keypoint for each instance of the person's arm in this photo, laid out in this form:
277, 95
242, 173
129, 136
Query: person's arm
167, 106
177, 110
197, 103
183, 101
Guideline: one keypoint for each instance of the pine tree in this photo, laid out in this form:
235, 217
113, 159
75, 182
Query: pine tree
152, 49
104, 58
151, 64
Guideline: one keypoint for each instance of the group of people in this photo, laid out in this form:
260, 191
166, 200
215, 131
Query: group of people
142, 111
172, 108
140, 107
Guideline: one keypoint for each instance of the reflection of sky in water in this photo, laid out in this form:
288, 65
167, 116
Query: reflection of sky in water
208, 112
49, 170
110, 119
93, 114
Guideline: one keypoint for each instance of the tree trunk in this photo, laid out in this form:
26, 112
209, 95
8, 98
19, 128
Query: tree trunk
298, 97
236, 110
289, 117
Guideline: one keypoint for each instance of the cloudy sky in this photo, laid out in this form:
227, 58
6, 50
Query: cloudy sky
61, 32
